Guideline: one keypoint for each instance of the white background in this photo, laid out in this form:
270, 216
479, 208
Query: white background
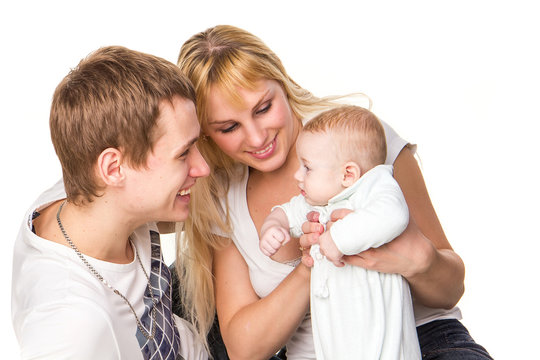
459, 78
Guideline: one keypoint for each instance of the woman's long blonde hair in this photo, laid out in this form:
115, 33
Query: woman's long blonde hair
227, 57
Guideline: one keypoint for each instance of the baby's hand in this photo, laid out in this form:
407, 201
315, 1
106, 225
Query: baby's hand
329, 249
272, 239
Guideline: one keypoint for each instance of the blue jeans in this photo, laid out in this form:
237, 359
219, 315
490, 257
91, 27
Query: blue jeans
439, 340
449, 340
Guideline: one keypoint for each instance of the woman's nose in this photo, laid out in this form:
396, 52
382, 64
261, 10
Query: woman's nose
255, 135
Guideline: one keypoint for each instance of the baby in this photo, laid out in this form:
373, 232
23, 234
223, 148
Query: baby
356, 313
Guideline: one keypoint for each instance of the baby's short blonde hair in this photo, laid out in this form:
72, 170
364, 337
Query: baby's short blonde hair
360, 133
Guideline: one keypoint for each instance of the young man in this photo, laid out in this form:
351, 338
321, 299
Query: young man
89, 281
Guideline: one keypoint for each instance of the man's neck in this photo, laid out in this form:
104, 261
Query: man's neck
95, 228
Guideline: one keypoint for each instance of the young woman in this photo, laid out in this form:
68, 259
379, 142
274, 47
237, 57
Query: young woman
251, 112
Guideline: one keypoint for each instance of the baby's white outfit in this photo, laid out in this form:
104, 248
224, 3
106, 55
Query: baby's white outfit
358, 313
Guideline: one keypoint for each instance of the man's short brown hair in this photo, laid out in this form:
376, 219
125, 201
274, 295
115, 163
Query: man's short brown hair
110, 100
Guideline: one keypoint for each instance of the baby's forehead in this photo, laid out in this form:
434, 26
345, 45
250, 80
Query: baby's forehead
319, 137
314, 135
317, 145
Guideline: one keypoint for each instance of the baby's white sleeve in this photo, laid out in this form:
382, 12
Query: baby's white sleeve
382, 218
296, 211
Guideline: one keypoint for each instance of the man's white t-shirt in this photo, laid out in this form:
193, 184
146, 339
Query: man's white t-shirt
61, 311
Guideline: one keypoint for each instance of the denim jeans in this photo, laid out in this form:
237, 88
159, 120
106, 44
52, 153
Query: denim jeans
449, 340
439, 340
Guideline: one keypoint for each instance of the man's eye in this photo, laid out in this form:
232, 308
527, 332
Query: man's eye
184, 154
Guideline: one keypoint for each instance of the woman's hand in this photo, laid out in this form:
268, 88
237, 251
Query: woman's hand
329, 249
421, 254
409, 254
311, 229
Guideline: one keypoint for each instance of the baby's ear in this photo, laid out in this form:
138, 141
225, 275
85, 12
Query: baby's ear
351, 173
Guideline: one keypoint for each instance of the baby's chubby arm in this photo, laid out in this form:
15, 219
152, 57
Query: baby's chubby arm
274, 232
329, 249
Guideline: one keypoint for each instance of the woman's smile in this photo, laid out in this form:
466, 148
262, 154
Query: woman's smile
265, 152
259, 131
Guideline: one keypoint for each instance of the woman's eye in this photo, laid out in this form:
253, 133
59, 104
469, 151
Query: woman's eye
264, 109
229, 129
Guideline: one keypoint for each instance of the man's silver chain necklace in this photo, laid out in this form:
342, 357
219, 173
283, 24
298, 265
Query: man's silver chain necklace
150, 337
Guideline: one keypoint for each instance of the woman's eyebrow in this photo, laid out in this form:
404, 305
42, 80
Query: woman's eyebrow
218, 122
261, 99
257, 104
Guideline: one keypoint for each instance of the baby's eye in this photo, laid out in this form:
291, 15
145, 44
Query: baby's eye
307, 168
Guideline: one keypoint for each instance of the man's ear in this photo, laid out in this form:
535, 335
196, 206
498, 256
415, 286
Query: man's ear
351, 173
109, 167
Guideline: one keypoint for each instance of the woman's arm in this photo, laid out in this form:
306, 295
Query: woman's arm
422, 254
437, 280
435, 275
254, 328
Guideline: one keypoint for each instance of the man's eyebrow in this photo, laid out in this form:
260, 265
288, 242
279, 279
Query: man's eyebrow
183, 148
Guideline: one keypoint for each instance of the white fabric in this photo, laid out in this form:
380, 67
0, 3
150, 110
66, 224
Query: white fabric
265, 274
423, 314
357, 313
61, 311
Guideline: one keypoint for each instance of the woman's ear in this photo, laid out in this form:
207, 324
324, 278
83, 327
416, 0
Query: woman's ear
351, 173
109, 167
